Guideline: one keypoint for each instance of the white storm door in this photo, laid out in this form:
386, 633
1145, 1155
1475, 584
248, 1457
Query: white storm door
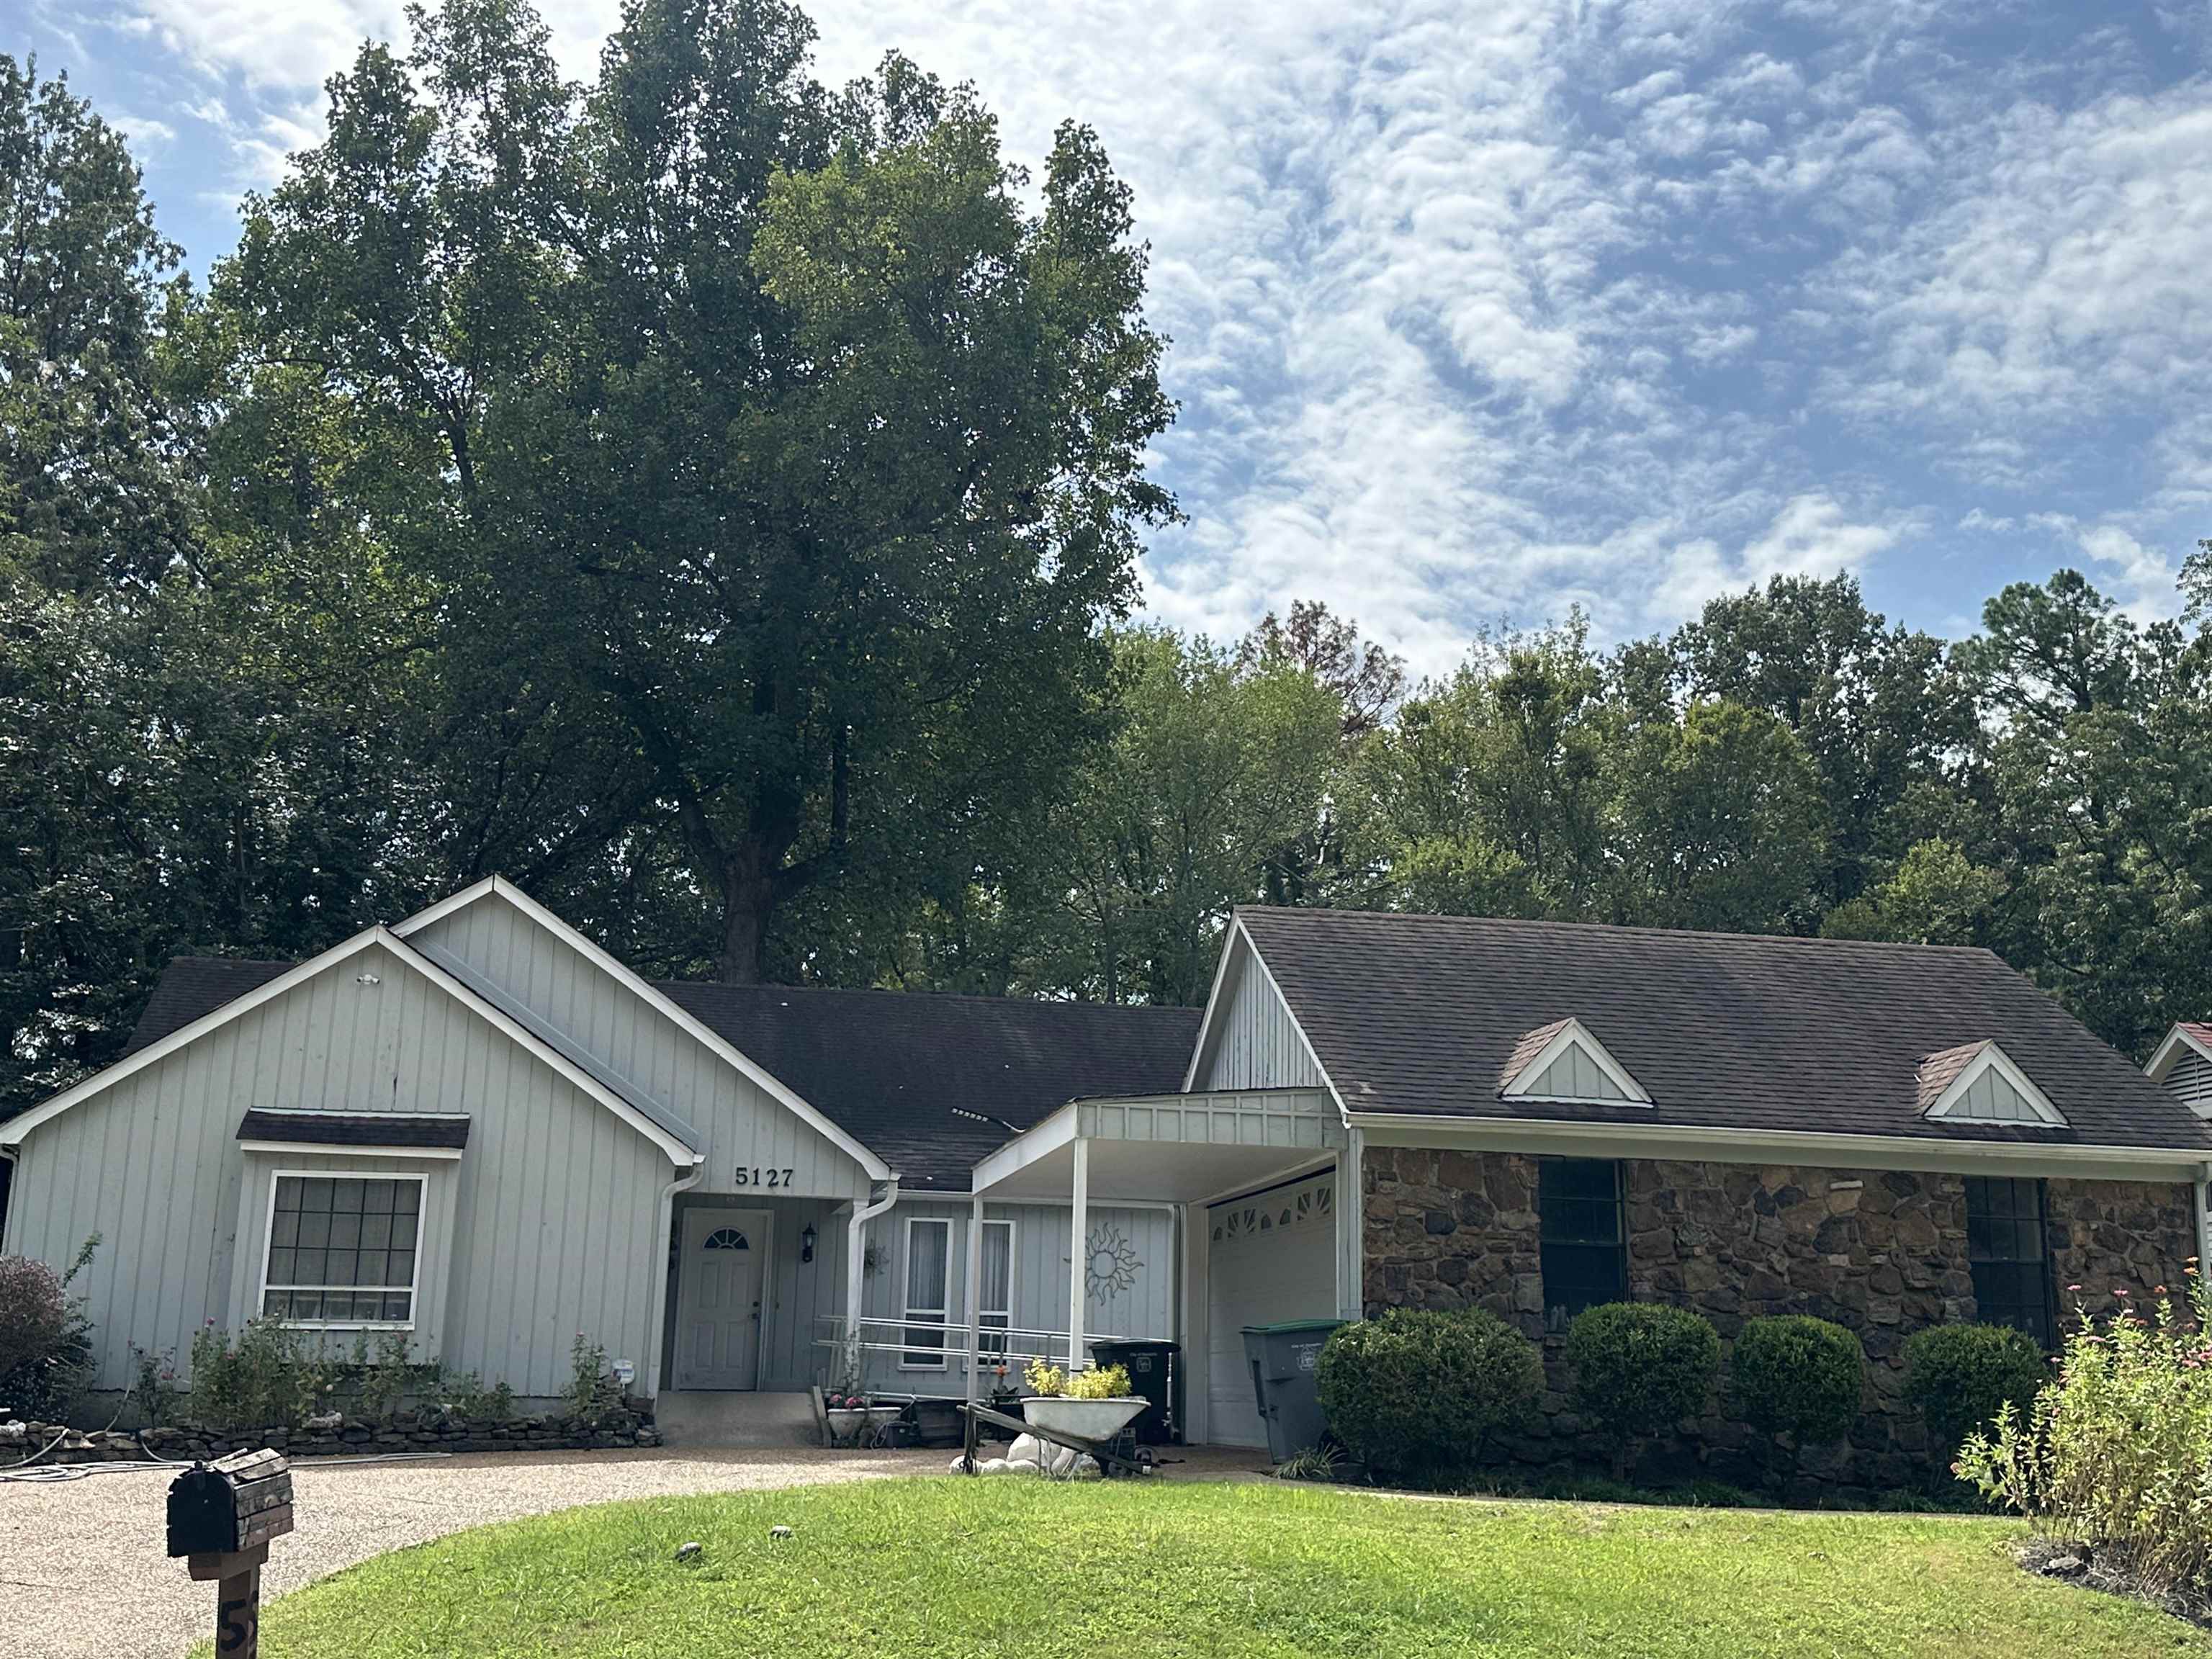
718, 1298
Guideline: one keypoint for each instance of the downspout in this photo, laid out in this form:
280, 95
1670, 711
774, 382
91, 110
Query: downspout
855, 1252
682, 1184
2203, 1185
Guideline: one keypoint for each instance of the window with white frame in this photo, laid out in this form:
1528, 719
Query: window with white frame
994, 1298
928, 1292
343, 1250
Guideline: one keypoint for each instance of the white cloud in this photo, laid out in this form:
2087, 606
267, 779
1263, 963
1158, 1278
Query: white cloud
1483, 311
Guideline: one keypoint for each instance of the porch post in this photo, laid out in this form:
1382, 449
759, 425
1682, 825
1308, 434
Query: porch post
1351, 1224
975, 1289
1079, 1257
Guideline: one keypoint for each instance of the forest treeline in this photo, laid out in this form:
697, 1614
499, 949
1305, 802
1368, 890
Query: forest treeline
711, 500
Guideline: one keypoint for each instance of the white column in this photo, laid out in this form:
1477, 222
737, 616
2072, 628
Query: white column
975, 1290
1351, 1223
1079, 1254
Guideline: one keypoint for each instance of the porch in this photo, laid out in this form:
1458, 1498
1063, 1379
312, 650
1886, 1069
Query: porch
1242, 1186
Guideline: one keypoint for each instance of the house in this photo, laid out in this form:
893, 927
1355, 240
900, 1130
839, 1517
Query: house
477, 1128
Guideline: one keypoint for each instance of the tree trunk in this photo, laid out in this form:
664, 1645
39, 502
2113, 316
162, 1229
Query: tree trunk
748, 902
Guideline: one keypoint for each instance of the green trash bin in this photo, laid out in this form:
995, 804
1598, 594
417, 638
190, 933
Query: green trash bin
1283, 1358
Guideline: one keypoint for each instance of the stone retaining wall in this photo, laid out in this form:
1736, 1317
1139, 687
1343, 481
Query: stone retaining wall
407, 1433
1882, 1252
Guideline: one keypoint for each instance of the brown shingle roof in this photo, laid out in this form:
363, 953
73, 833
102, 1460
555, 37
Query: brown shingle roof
1418, 1015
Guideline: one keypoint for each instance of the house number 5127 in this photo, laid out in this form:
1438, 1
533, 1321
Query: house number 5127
752, 1177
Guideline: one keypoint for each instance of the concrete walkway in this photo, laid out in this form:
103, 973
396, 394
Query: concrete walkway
83, 1574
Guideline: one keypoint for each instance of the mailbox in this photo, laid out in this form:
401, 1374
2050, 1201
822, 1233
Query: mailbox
235, 1505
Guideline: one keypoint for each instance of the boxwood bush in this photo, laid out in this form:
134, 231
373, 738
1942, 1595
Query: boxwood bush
1639, 1367
1797, 1376
1413, 1394
1961, 1375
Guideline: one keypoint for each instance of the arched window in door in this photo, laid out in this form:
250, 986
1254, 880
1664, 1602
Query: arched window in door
725, 1238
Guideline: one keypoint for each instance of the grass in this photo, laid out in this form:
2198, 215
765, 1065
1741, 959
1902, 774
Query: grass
956, 1568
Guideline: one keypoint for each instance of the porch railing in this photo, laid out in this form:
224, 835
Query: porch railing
914, 1350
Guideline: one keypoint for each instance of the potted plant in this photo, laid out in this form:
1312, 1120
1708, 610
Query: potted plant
853, 1418
1092, 1405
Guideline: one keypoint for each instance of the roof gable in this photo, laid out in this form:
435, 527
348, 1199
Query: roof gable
1563, 1062
372, 949
1417, 1016
431, 929
1977, 1083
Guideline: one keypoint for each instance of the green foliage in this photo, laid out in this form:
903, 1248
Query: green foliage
1324, 1463
1639, 1368
1044, 1380
592, 1394
45, 1338
272, 1378
2112, 1454
1414, 1393
154, 1394
1797, 1376
1961, 1376
464, 1395
1100, 1383
383, 1375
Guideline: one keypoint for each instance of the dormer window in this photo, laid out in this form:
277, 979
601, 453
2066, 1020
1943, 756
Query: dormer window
1979, 1083
1563, 1062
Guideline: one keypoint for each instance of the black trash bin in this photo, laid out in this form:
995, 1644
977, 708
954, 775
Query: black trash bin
1283, 1358
1155, 1371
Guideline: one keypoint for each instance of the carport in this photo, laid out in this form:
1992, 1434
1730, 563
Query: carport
1266, 1182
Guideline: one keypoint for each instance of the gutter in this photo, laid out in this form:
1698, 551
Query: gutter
1696, 1142
855, 1250
658, 1322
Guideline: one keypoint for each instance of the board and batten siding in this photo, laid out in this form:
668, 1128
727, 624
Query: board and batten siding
1254, 1042
555, 1199
1145, 1308
736, 1121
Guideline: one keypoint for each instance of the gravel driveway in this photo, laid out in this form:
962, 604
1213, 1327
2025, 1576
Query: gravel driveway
83, 1575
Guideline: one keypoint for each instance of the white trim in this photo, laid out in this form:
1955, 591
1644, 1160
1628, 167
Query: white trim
1693, 1143
877, 1169
1013, 1261
906, 1293
680, 1153
415, 1282
1040, 1140
1572, 1033
1213, 998
1205, 1023
2170, 1049
13, 1131
324, 1149
1994, 1058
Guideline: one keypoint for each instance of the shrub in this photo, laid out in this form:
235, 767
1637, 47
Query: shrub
270, 1379
45, 1340
2112, 1455
154, 1389
1797, 1376
1961, 1375
1414, 1393
592, 1394
1044, 1380
1639, 1368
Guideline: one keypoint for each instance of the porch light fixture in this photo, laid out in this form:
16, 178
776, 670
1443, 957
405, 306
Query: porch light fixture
806, 1243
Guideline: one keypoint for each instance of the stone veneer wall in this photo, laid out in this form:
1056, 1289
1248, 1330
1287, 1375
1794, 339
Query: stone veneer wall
1880, 1252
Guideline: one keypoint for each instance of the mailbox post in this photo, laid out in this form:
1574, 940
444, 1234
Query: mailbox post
221, 1516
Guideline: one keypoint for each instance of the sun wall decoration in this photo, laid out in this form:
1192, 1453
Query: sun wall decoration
1109, 1264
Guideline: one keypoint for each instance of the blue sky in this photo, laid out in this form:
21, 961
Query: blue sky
1481, 310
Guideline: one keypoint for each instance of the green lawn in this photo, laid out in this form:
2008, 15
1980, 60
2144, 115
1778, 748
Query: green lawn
957, 1567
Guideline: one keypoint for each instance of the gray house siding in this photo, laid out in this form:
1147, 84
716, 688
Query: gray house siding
554, 1206
1253, 1042
737, 1121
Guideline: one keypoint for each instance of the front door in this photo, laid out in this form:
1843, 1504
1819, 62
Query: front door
718, 1298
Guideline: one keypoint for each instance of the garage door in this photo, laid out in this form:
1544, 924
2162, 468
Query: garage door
1270, 1256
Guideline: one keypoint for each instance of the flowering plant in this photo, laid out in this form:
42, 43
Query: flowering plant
2116, 1454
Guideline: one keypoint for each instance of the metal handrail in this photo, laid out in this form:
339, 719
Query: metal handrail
992, 1343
